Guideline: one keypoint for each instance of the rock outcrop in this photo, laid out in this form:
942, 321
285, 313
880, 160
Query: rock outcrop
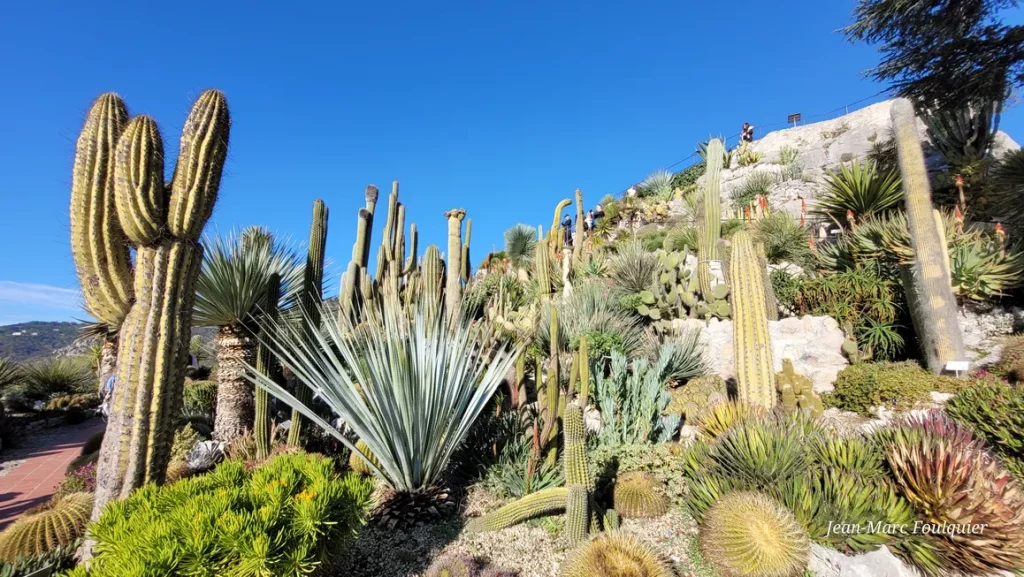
879, 563
814, 344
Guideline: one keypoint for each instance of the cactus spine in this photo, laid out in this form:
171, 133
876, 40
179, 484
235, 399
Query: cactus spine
708, 235
934, 310
164, 224
453, 284
265, 365
311, 300
755, 375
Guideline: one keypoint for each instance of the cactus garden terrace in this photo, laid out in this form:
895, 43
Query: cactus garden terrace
795, 357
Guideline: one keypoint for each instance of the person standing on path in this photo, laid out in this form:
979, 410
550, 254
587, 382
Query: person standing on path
747, 134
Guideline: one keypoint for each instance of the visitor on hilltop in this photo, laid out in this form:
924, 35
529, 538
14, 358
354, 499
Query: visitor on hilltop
567, 231
631, 191
589, 221
598, 212
747, 134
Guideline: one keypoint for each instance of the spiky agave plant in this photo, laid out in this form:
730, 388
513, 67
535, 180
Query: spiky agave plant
724, 415
952, 481
410, 386
749, 534
657, 185
615, 554
231, 287
10, 373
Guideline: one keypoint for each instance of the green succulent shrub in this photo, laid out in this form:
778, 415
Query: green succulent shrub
52, 563
693, 399
983, 270
200, 397
995, 412
679, 238
951, 480
593, 309
283, 518
688, 177
748, 534
663, 463
652, 240
615, 554
761, 452
60, 523
633, 401
784, 239
723, 416
757, 184
870, 303
897, 386
859, 188
746, 157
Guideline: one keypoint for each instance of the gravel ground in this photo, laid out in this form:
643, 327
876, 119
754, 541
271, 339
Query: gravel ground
534, 549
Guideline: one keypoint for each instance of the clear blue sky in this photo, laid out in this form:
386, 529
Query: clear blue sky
501, 108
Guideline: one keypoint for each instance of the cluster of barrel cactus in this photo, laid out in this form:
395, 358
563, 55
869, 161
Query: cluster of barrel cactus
676, 294
797, 391
59, 524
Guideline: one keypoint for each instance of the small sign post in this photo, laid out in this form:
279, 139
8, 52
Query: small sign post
958, 367
794, 118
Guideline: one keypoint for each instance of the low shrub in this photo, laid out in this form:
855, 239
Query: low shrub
80, 480
283, 518
995, 411
896, 386
200, 397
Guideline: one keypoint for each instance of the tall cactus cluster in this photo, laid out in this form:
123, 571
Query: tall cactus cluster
932, 304
711, 227
119, 199
311, 298
755, 375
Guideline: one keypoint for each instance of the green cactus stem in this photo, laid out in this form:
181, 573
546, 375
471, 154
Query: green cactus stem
98, 243
584, 361
311, 300
709, 233
797, 391
577, 514
410, 263
265, 365
154, 335
542, 502
755, 376
771, 303
928, 289
542, 269
466, 265
433, 281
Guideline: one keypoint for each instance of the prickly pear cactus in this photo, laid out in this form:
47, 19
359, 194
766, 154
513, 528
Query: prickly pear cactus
677, 294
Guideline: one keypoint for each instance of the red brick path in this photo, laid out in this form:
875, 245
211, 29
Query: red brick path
34, 481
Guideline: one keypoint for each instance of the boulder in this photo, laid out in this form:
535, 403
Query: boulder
814, 344
879, 563
984, 329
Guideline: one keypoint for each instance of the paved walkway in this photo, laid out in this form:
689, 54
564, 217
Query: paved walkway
46, 456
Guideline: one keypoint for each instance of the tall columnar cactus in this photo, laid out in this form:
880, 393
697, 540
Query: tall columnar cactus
121, 165
453, 284
265, 365
433, 281
755, 374
352, 279
771, 302
312, 297
542, 268
466, 266
935, 311
555, 236
577, 242
583, 358
577, 514
711, 230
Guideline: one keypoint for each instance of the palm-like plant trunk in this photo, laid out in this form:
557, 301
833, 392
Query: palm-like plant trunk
108, 360
235, 396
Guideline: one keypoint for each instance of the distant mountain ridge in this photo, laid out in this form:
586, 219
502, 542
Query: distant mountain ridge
26, 341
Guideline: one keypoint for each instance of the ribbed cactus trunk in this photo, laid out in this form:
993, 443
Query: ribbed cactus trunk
266, 365
755, 373
577, 242
453, 282
120, 166
711, 229
555, 236
771, 302
542, 269
934, 310
577, 476
433, 284
311, 302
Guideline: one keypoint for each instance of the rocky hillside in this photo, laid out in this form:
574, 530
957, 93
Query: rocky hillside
819, 147
26, 341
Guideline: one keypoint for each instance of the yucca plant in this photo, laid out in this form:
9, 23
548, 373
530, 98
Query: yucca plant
593, 310
679, 238
520, 243
784, 238
408, 385
10, 373
233, 280
43, 379
633, 269
861, 189
657, 185
952, 481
